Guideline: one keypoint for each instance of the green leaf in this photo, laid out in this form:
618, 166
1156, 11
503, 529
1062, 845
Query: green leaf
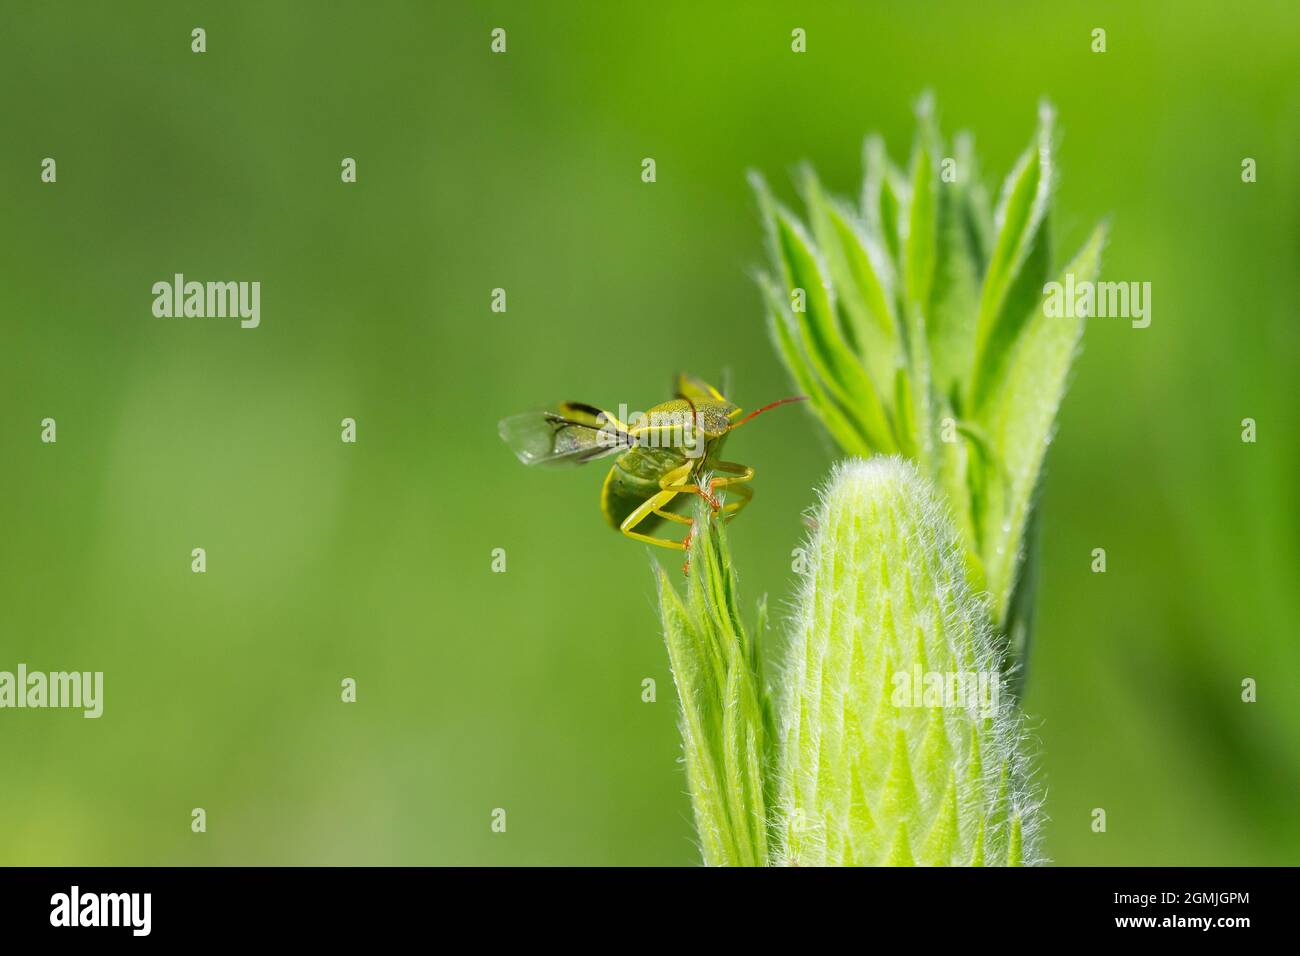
1020, 613
724, 721
782, 325
919, 250
1018, 422
794, 339
954, 295
919, 256
823, 342
867, 773
1022, 300
918, 316
958, 460
1019, 263
881, 197
859, 290
869, 271
976, 216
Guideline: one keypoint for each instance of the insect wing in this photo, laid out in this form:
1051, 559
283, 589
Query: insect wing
569, 433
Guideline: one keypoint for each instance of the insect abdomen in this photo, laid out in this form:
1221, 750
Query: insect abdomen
634, 479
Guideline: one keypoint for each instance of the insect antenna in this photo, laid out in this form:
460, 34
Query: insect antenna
768, 407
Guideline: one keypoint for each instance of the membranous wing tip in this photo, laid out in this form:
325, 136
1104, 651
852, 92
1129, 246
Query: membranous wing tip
570, 433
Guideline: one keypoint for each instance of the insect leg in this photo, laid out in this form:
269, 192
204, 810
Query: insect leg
670, 516
744, 495
739, 471
671, 485
651, 505
737, 474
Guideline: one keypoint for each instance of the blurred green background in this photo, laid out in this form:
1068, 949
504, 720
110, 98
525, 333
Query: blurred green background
523, 690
